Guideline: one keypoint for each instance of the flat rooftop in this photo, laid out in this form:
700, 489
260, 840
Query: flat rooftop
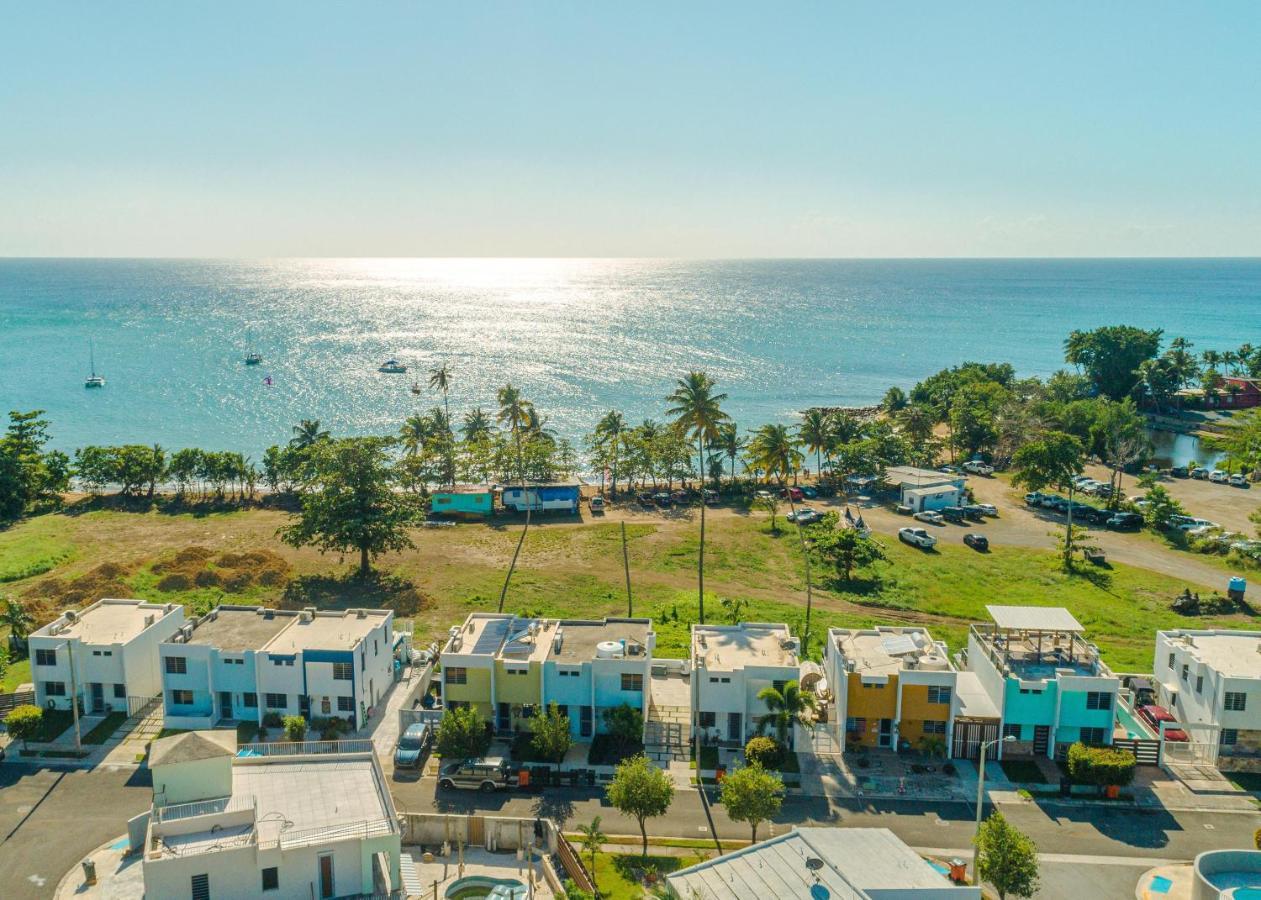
974, 701
326, 631
886, 651
916, 477
237, 629
579, 638
1035, 618
1235, 654
730, 647
504, 637
109, 621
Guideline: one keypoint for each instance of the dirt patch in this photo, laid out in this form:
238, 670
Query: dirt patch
51, 595
230, 571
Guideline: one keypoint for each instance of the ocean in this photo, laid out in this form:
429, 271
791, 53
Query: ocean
578, 337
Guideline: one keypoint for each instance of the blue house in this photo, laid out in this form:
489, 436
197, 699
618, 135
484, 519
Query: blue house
562, 497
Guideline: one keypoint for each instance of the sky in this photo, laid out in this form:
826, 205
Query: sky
677, 129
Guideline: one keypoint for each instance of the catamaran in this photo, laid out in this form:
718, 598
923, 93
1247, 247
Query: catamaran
392, 367
253, 357
93, 380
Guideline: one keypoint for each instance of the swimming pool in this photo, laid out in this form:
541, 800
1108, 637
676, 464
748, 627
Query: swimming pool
1134, 727
481, 887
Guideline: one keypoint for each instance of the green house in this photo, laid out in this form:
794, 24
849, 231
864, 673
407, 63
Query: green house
462, 501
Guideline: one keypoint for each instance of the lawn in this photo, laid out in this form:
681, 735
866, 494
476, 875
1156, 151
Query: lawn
18, 672
567, 569
102, 732
1023, 771
54, 722
627, 876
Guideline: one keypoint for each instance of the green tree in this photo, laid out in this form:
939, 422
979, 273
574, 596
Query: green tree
550, 735
462, 734
349, 501
295, 728
17, 616
734, 607
731, 444
763, 751
1111, 356
609, 434
1120, 434
517, 414
845, 549
1102, 766
592, 840
697, 411
895, 400
29, 475
1161, 506
1006, 858
1240, 441
307, 433
753, 795
773, 449
624, 724
769, 503
640, 790
815, 433
440, 379
785, 707
1051, 460
24, 723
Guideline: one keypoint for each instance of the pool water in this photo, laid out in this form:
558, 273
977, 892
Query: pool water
1160, 885
479, 887
1134, 729
1246, 893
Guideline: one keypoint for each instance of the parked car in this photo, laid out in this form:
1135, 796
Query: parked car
1154, 715
1200, 531
976, 467
709, 495
487, 775
1050, 501
597, 504
930, 517
950, 470
985, 509
978, 542
1033, 498
974, 512
917, 537
1180, 472
644, 498
1125, 521
808, 492
1217, 476
1191, 523
792, 493
663, 499
412, 745
903, 510
1199, 474
953, 514
1237, 480
763, 495
804, 515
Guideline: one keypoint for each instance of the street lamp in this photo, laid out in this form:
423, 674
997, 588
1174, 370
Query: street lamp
980, 794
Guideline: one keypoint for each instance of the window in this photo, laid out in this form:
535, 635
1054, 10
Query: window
932, 726
271, 879
1229, 736
375, 651
1236, 701
234, 661
584, 722
632, 681
1199, 684
855, 726
249, 700
708, 720
1025, 690
346, 704
1171, 660
45, 657
1186, 668
277, 701
54, 688
779, 684
176, 665
516, 671
562, 710
282, 661
1011, 730
201, 887
343, 671
872, 684
181, 698
527, 711
120, 691
938, 693
1098, 700
457, 704
102, 652
457, 675
1092, 736
569, 673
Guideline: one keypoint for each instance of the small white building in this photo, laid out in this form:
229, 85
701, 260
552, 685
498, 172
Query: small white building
307, 825
1212, 679
923, 489
237, 663
108, 653
731, 664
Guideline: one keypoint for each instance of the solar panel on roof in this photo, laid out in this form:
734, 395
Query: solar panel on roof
899, 645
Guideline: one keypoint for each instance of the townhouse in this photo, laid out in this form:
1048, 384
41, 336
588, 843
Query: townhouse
1050, 686
106, 654
1212, 679
731, 664
240, 663
510, 668
893, 687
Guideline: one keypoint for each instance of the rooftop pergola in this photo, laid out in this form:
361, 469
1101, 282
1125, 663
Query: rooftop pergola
1036, 641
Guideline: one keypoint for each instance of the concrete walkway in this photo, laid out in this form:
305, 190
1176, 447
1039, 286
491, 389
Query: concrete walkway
118, 876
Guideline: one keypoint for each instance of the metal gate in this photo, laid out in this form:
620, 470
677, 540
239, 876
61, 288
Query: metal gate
1146, 752
968, 737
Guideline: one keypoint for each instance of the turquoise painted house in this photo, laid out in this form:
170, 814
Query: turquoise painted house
470, 500
1050, 685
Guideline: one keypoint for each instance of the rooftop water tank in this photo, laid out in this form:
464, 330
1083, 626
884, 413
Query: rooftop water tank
609, 650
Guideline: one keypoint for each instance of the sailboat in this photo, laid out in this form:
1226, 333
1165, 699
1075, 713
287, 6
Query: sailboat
253, 357
93, 380
415, 387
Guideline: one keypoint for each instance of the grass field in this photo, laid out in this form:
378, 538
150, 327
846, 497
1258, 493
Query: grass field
567, 569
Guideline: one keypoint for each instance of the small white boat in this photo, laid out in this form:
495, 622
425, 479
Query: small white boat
392, 367
253, 357
93, 380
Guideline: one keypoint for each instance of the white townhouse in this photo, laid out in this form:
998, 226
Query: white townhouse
108, 653
237, 663
731, 664
1212, 678
291, 827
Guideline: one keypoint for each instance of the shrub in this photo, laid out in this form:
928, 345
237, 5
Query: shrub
462, 734
295, 728
551, 738
272, 719
764, 752
24, 722
1101, 766
625, 726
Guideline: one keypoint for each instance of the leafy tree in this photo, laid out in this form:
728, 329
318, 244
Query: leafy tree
895, 400
516, 413
1240, 441
440, 379
763, 751
1051, 460
1006, 858
24, 722
29, 475
815, 433
731, 444
295, 728
349, 501
752, 794
608, 432
551, 738
4, 662
1161, 506
1111, 356
773, 449
307, 433
641, 790
1120, 434
845, 549
592, 839
18, 618
462, 734
697, 411
770, 503
1102, 766
1158, 381
624, 725
785, 707
734, 607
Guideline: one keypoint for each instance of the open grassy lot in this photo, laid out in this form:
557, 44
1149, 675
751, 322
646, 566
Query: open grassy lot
573, 568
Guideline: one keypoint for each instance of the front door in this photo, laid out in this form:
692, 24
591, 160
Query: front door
326, 875
1041, 739
98, 697
225, 704
886, 732
735, 727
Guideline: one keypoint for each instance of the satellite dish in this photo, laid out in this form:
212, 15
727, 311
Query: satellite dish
814, 864
819, 892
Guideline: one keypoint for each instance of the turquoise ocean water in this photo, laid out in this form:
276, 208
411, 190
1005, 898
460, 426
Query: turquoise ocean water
577, 336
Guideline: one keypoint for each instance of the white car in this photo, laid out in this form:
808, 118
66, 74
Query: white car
763, 495
917, 537
976, 467
804, 515
987, 509
1217, 476
929, 517
1199, 531
1237, 481
1194, 524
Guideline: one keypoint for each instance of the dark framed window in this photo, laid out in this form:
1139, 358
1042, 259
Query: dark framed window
1171, 659
343, 671
54, 688
1236, 701
708, 719
120, 691
176, 665
345, 704
271, 878
934, 726
45, 657
632, 681
1092, 736
1229, 736
182, 698
201, 887
779, 684
1199, 684
585, 721
1011, 730
1186, 668
939, 693
277, 701
457, 675
249, 700
1098, 700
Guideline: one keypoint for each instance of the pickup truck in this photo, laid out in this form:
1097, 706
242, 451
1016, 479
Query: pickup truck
917, 537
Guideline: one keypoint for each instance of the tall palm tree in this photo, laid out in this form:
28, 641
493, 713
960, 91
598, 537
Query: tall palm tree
610, 430
592, 840
306, 433
731, 444
516, 413
784, 708
815, 432
697, 411
440, 379
774, 449
476, 425
19, 619
416, 432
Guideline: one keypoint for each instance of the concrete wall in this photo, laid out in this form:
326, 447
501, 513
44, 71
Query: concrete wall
1217, 862
186, 782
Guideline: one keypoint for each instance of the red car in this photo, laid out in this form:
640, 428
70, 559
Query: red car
793, 493
1153, 715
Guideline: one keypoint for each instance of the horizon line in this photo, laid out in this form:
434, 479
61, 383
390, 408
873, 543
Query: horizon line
1065, 258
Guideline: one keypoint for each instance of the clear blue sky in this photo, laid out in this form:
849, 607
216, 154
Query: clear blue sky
630, 129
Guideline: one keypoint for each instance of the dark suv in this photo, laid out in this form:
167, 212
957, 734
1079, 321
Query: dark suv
487, 775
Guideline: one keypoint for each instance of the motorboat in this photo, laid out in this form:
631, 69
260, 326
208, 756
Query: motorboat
392, 367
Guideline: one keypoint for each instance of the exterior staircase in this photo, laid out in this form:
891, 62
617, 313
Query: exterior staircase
667, 731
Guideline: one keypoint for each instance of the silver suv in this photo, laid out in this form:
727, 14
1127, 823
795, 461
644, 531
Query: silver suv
486, 775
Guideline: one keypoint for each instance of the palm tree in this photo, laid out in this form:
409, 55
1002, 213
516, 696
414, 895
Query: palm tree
774, 450
785, 707
731, 444
416, 432
610, 430
698, 410
476, 425
592, 840
815, 432
517, 414
440, 379
306, 433
19, 619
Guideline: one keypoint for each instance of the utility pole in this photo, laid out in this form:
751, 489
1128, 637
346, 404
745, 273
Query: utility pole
74, 698
630, 604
